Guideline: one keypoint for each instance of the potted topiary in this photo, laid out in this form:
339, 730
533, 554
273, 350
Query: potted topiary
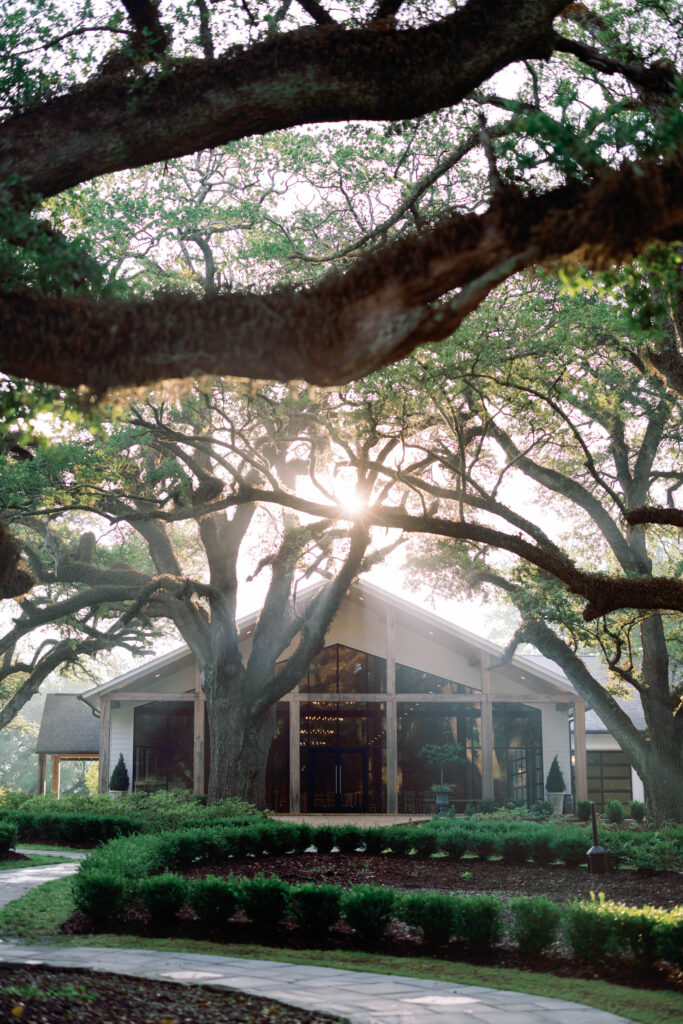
555, 786
444, 755
119, 781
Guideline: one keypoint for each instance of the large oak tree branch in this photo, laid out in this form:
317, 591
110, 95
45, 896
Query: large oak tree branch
346, 325
655, 516
603, 593
316, 74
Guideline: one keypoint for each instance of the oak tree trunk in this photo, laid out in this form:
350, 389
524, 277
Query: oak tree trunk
239, 737
663, 777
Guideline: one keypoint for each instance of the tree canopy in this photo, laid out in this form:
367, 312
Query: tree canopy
92, 92
150, 525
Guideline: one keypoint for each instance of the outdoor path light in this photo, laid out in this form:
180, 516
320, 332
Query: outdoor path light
597, 855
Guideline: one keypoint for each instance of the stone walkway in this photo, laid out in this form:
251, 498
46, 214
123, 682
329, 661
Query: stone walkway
359, 997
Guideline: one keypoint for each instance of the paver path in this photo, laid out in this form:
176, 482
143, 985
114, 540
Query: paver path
361, 998
14, 884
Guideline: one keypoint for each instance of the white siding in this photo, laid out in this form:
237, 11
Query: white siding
556, 741
121, 733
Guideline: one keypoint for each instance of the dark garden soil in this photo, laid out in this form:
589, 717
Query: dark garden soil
439, 873
41, 995
561, 884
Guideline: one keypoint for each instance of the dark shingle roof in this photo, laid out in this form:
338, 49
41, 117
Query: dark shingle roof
68, 726
630, 705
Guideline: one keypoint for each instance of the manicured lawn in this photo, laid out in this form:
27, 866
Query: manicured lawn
49, 846
39, 914
34, 860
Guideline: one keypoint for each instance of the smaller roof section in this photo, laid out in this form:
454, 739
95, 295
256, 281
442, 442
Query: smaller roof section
631, 706
68, 726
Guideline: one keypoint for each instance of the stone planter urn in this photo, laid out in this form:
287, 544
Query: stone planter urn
441, 794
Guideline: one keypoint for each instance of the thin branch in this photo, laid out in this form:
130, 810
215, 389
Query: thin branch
317, 12
658, 78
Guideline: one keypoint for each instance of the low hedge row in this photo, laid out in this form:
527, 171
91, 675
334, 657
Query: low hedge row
162, 809
88, 829
8, 837
253, 835
594, 930
516, 844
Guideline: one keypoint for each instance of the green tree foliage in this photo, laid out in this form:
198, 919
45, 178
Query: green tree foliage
584, 123
140, 527
527, 445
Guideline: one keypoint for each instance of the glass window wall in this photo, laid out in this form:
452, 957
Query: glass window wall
163, 746
517, 754
422, 724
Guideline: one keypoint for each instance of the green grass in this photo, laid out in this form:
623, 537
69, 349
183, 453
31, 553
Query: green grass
56, 849
40, 913
34, 860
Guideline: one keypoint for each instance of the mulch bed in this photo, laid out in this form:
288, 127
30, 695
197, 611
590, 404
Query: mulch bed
462, 876
42, 995
408, 873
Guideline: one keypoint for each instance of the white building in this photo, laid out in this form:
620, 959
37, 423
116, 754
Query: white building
391, 678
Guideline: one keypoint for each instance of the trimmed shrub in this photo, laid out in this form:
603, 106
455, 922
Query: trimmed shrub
119, 780
163, 896
99, 895
515, 848
488, 805
367, 908
425, 842
323, 838
434, 913
248, 841
571, 848
485, 842
9, 835
454, 842
315, 908
375, 841
478, 921
542, 847
636, 810
583, 810
535, 922
400, 840
669, 936
555, 781
657, 854
636, 929
589, 929
348, 838
264, 899
213, 900
542, 808
615, 811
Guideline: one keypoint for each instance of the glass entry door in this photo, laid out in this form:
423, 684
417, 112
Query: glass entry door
337, 780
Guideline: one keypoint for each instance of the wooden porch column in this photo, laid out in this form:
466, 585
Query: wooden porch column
392, 717
198, 780
580, 770
295, 755
42, 772
486, 730
56, 774
105, 743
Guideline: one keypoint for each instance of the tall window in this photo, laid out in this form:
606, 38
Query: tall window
517, 754
441, 724
163, 746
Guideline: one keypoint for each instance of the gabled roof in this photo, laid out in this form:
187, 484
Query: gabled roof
68, 726
377, 599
